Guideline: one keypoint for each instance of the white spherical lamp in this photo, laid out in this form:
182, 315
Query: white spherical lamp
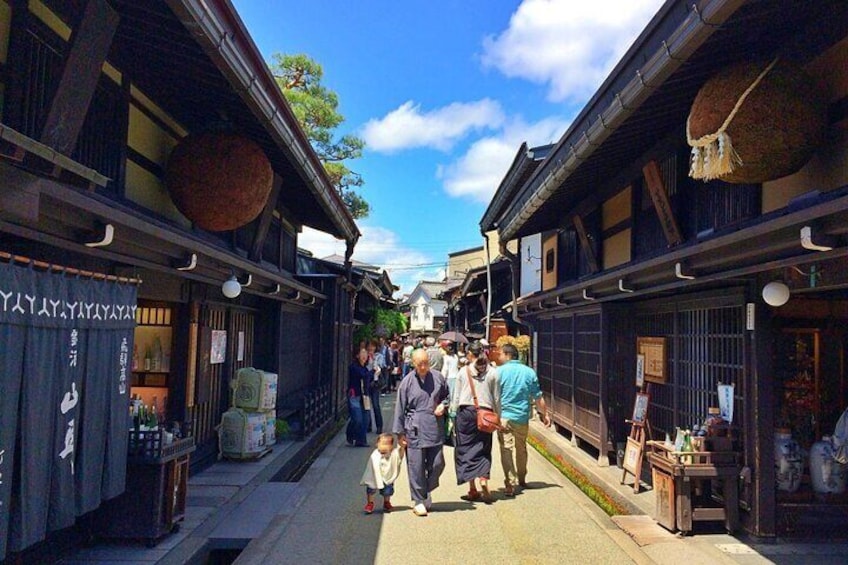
231, 287
776, 293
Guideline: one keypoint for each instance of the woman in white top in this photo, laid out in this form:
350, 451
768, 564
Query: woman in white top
450, 370
450, 365
473, 448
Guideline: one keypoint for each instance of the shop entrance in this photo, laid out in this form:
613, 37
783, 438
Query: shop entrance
224, 344
810, 395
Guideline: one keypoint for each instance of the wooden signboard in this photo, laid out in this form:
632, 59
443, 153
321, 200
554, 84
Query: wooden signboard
665, 500
653, 349
639, 431
633, 457
640, 409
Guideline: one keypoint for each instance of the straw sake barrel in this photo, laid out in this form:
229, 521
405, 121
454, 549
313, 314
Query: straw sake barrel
219, 181
754, 122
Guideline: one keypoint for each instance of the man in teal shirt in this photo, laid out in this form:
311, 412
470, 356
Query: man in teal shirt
519, 386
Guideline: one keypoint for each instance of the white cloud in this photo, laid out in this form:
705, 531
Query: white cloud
478, 172
319, 243
570, 46
409, 127
380, 247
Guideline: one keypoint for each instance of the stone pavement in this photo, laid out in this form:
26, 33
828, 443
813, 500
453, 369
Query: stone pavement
319, 519
552, 522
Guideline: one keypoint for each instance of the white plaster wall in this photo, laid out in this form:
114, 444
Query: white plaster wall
531, 264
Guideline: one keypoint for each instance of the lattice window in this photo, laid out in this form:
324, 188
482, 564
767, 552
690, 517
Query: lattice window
707, 347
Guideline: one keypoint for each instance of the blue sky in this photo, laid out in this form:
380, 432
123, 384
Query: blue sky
444, 92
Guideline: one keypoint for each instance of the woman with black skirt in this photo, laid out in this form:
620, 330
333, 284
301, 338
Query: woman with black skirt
473, 449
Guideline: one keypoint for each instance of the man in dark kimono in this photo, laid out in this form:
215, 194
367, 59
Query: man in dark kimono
418, 422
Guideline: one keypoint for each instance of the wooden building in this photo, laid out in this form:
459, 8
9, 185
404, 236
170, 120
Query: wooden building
633, 247
356, 292
97, 98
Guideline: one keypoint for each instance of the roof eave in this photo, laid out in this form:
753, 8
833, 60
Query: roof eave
521, 161
218, 28
597, 121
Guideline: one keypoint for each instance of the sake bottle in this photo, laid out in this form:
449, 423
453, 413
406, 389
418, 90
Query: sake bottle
687, 447
156, 362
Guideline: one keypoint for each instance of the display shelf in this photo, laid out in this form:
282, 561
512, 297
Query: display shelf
677, 485
798, 366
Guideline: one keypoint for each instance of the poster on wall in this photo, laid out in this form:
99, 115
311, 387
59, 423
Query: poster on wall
240, 349
218, 347
653, 349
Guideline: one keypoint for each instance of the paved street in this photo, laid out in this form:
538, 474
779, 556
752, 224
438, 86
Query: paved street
552, 522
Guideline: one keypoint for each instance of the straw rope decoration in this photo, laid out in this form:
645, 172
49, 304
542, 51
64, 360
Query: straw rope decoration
713, 155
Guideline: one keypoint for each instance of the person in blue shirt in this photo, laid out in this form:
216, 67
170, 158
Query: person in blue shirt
358, 378
519, 387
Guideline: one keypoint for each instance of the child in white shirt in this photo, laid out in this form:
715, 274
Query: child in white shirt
382, 471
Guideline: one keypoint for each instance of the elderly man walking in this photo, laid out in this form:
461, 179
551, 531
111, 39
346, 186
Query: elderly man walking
418, 422
519, 386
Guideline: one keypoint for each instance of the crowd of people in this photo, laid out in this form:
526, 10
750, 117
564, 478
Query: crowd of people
442, 396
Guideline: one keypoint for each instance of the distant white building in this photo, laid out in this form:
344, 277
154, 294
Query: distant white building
427, 314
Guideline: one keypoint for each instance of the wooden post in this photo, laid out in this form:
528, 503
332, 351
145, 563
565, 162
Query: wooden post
585, 243
659, 195
83, 66
265, 220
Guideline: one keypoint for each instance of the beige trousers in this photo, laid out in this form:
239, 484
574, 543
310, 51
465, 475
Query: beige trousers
513, 442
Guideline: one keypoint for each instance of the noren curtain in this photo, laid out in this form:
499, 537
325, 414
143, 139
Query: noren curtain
65, 346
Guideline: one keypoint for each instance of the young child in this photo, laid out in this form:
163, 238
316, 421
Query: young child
382, 471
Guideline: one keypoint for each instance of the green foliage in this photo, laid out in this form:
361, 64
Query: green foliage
384, 322
281, 428
595, 493
316, 108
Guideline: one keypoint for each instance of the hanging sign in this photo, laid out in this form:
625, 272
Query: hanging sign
640, 371
653, 349
725, 402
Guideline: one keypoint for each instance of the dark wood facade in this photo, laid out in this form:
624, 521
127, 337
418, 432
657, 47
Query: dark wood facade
94, 96
642, 250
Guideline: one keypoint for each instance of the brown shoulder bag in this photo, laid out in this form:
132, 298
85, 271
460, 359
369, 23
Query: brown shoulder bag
487, 421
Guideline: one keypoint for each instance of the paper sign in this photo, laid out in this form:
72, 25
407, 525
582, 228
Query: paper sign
725, 402
640, 371
218, 347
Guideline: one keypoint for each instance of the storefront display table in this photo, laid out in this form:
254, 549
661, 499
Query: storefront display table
684, 489
157, 483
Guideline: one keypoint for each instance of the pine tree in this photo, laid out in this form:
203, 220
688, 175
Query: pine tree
316, 108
